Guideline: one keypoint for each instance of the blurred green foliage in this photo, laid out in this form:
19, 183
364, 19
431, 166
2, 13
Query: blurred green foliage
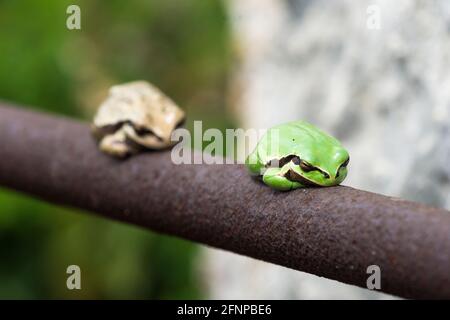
183, 47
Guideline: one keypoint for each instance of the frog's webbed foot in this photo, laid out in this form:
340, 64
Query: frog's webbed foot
275, 178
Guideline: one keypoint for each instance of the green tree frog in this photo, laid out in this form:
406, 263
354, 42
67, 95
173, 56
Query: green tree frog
297, 154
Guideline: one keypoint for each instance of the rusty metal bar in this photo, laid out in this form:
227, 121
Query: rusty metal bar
331, 232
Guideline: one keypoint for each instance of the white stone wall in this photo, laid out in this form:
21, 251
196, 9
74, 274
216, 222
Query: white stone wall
385, 93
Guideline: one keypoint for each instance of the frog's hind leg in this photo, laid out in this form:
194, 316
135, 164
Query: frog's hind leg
253, 163
274, 177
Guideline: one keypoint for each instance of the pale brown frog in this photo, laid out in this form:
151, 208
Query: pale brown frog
134, 117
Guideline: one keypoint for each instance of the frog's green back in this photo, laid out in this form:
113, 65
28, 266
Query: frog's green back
302, 139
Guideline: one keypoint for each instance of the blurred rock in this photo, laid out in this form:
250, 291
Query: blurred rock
383, 92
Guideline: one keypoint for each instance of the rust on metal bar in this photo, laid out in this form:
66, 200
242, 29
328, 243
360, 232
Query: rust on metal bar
331, 232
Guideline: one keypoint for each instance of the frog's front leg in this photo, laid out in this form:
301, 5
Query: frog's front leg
274, 177
116, 144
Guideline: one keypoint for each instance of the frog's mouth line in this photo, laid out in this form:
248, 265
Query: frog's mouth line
293, 176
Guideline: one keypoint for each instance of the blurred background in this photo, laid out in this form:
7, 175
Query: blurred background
373, 73
182, 47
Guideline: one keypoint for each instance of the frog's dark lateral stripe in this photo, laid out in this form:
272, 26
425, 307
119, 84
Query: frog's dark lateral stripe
109, 129
287, 159
279, 163
112, 128
294, 176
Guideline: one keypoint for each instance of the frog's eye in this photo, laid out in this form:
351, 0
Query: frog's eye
345, 163
342, 166
306, 166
